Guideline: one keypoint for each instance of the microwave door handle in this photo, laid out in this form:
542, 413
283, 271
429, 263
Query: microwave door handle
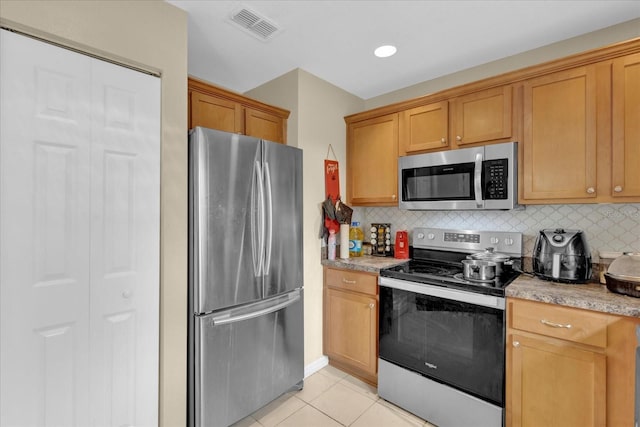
477, 180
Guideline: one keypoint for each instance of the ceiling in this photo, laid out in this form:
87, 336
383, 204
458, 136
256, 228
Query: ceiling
334, 40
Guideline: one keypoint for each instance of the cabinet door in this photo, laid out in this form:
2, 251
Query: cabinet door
215, 113
484, 116
352, 329
626, 127
372, 161
555, 384
263, 125
424, 128
559, 144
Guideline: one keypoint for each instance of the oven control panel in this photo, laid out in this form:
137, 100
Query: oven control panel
462, 237
467, 240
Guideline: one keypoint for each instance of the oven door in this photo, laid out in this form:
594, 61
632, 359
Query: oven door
453, 337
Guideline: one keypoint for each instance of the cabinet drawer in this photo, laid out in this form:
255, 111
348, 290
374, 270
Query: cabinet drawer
559, 322
352, 281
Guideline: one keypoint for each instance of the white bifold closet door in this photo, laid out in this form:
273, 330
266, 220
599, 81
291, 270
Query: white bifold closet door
79, 239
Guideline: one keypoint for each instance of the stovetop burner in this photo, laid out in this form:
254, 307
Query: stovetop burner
444, 268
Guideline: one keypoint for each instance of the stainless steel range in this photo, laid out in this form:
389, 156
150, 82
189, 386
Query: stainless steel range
442, 337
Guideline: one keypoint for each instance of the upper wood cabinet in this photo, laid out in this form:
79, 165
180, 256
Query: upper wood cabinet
424, 128
484, 116
625, 160
480, 117
217, 108
372, 161
559, 141
581, 140
215, 113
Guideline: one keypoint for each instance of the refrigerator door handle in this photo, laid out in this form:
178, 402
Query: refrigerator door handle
269, 221
257, 221
233, 316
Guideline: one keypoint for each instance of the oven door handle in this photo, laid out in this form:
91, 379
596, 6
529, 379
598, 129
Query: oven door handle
441, 292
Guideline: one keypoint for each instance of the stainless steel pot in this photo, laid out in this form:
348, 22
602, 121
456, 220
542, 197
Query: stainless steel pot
623, 276
503, 261
479, 270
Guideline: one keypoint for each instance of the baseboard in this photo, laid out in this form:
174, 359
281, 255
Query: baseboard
315, 366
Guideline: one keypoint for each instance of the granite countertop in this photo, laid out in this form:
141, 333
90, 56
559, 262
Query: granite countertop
590, 296
368, 263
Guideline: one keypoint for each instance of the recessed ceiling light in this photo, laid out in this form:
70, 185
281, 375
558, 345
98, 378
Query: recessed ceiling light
385, 51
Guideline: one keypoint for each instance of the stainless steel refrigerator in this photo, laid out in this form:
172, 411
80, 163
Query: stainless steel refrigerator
245, 275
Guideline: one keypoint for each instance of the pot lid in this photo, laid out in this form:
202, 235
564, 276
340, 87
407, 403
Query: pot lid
489, 255
626, 267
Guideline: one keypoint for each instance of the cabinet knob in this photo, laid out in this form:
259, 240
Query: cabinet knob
591, 190
617, 188
443, 140
393, 196
458, 138
372, 305
126, 294
516, 343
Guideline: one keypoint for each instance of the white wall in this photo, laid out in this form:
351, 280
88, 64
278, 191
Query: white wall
151, 35
317, 120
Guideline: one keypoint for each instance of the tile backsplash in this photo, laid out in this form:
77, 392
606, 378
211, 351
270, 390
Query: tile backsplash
608, 227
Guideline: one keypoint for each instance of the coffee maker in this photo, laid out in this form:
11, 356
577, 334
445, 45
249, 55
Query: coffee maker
562, 255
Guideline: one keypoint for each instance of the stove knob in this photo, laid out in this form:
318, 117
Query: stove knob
495, 240
420, 236
431, 236
508, 241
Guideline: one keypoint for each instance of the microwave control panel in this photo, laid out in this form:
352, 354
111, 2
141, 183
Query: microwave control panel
495, 178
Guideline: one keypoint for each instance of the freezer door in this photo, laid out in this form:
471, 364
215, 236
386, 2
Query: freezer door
283, 189
226, 225
247, 357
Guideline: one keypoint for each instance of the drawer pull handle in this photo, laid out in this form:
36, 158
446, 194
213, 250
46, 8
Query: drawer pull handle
555, 325
350, 282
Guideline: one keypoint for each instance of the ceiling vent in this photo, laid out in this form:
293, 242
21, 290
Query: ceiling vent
254, 24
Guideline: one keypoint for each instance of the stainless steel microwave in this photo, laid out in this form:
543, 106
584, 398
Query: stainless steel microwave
469, 178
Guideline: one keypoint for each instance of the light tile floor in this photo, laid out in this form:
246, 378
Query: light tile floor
332, 398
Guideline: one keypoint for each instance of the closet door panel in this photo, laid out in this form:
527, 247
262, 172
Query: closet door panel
44, 233
125, 206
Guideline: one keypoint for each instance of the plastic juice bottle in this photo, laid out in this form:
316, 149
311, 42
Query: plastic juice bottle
355, 239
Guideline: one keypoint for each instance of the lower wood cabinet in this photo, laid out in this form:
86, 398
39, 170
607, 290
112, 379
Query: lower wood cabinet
351, 322
568, 367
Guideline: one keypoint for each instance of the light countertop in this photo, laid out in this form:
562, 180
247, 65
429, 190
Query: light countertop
368, 263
